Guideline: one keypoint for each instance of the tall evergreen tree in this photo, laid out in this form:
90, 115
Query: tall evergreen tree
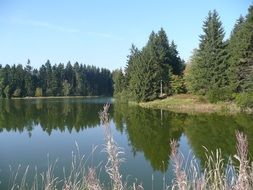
210, 65
176, 63
29, 83
148, 71
193, 76
118, 82
241, 54
131, 63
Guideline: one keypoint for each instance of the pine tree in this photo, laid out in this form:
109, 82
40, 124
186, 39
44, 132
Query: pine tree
29, 83
241, 54
176, 63
195, 74
210, 64
148, 68
158, 59
118, 82
131, 63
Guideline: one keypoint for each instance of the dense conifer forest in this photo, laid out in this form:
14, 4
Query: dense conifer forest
54, 80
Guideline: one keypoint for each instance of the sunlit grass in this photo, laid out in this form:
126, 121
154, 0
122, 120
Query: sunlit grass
186, 103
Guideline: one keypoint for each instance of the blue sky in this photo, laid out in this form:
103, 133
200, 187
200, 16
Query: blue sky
100, 32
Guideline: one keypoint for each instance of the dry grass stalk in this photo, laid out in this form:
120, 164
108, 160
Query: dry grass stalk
180, 181
195, 178
113, 152
49, 181
243, 180
137, 187
215, 175
79, 177
91, 180
14, 178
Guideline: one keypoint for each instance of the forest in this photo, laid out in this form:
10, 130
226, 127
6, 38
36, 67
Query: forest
219, 69
54, 80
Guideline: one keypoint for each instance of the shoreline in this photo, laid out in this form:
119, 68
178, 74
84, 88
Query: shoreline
191, 104
53, 97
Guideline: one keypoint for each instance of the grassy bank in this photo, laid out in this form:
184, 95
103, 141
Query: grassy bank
186, 103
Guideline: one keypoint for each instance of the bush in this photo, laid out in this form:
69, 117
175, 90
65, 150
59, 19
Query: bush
178, 84
219, 94
244, 100
202, 99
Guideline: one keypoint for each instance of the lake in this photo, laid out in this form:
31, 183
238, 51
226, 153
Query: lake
33, 131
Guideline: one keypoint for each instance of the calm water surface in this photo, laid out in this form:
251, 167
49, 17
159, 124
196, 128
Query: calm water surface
35, 131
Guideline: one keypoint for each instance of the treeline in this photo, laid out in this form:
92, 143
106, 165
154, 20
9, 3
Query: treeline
54, 80
219, 69
150, 71
223, 69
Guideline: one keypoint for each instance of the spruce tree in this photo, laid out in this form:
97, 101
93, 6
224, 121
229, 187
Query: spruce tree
131, 63
210, 60
148, 68
175, 61
118, 82
241, 54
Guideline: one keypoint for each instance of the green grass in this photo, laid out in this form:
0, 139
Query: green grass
186, 103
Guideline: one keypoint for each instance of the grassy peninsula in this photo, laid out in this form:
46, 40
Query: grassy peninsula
188, 103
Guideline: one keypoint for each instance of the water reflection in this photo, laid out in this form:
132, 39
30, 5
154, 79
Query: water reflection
50, 114
148, 131
214, 131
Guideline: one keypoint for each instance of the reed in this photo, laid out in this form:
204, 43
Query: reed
113, 152
216, 175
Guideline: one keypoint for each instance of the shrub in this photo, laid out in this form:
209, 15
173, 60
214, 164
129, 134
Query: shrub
219, 94
202, 99
178, 84
244, 100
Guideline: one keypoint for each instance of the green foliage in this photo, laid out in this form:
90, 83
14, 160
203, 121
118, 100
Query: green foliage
38, 92
178, 84
54, 80
202, 99
244, 100
194, 75
176, 63
118, 82
29, 80
241, 54
208, 63
146, 69
216, 94
218, 69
